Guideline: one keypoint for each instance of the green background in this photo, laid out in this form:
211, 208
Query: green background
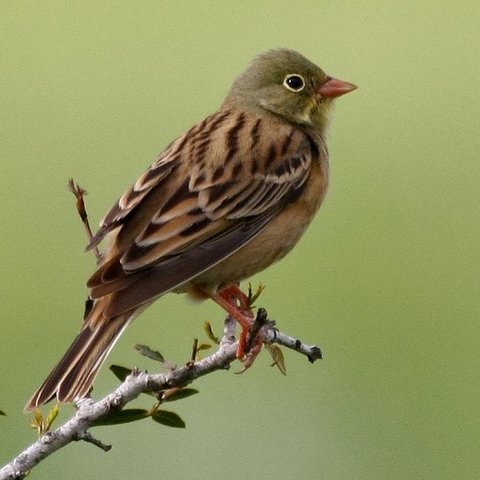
385, 280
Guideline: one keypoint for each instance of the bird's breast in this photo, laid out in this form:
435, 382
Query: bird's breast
276, 239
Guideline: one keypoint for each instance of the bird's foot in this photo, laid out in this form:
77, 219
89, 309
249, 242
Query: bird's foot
237, 305
245, 353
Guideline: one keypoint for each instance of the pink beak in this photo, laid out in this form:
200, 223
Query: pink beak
333, 88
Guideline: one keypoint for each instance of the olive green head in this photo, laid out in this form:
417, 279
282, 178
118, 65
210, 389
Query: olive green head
285, 83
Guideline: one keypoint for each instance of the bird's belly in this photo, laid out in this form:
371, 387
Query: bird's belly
268, 247
273, 243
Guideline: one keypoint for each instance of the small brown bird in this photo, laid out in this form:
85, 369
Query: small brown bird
225, 200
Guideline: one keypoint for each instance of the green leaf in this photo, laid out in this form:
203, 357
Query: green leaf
149, 353
203, 346
122, 416
3, 413
253, 297
120, 372
169, 419
180, 394
209, 331
37, 422
277, 357
52, 415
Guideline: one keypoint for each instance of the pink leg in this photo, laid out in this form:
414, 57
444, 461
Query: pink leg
235, 303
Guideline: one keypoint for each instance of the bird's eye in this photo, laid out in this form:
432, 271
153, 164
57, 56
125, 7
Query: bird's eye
294, 82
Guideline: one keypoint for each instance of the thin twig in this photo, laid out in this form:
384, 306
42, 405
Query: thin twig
260, 320
312, 352
89, 438
90, 412
79, 193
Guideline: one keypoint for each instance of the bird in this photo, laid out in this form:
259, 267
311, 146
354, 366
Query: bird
223, 201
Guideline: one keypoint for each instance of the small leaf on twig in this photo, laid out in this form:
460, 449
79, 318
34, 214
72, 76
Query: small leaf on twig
169, 419
203, 346
252, 297
120, 372
196, 347
41, 424
52, 415
209, 331
127, 415
179, 394
37, 422
146, 351
278, 358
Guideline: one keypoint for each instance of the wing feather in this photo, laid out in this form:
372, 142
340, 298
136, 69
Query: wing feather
211, 192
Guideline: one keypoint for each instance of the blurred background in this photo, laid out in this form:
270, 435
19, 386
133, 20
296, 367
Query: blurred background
385, 280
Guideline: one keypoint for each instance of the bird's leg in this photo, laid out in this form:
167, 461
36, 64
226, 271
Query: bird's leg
229, 301
236, 295
236, 304
252, 353
79, 193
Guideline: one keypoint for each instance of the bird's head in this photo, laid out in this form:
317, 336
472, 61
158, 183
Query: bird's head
286, 84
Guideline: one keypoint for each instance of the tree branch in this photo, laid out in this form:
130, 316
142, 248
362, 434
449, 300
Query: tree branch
90, 412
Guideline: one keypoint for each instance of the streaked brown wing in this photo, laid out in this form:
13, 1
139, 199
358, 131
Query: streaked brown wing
152, 179
225, 182
156, 184
172, 272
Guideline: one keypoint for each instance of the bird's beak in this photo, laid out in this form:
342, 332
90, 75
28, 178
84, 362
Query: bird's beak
333, 87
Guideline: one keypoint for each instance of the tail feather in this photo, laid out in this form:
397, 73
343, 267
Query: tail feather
74, 374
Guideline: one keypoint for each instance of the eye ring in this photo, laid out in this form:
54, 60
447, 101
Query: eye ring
294, 82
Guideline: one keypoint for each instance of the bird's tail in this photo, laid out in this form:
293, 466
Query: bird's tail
74, 374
